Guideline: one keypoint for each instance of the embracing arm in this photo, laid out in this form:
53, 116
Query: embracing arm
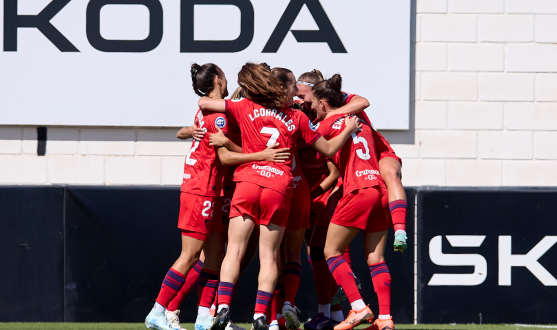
220, 140
328, 183
331, 147
356, 104
207, 103
190, 132
271, 154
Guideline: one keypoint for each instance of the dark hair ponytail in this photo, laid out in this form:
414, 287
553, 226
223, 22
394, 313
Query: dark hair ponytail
330, 90
202, 77
283, 75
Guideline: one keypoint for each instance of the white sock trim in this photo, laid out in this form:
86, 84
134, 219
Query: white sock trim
159, 307
258, 315
337, 316
325, 309
221, 306
400, 231
203, 311
358, 305
385, 317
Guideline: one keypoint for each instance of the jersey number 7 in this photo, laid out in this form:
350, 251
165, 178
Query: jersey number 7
274, 134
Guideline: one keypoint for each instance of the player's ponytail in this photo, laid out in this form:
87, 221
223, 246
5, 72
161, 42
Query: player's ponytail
261, 86
203, 77
310, 78
330, 90
283, 75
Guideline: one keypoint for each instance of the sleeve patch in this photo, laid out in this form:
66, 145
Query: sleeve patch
311, 126
220, 122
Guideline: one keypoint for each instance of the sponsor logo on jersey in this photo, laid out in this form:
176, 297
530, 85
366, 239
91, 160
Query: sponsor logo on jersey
220, 122
367, 172
187, 176
268, 169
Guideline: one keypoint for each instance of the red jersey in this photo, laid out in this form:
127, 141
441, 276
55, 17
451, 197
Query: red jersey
314, 166
261, 128
381, 144
203, 171
357, 160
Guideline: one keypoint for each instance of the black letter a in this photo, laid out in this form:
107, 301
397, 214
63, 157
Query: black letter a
326, 32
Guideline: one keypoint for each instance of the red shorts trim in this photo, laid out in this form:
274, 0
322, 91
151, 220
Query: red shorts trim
193, 234
390, 154
264, 205
196, 213
363, 209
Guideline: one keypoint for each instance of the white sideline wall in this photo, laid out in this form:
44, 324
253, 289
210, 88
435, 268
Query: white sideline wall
485, 111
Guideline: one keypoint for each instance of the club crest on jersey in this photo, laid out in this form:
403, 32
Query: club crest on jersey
220, 122
313, 127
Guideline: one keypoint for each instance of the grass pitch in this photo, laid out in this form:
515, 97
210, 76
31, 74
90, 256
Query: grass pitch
189, 326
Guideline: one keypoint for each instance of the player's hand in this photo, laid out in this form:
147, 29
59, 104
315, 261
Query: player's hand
198, 133
353, 123
271, 154
218, 139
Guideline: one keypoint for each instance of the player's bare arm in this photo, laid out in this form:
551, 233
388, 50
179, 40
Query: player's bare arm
221, 140
328, 182
356, 104
271, 154
191, 132
208, 103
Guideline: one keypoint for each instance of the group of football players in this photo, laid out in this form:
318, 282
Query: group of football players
280, 162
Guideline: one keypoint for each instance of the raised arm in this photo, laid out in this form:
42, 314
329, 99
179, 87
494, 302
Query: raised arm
207, 103
356, 104
332, 146
271, 154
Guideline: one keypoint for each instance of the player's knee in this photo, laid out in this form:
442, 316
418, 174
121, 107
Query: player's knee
331, 252
190, 257
374, 259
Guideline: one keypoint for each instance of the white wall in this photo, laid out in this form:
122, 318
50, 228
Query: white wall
485, 112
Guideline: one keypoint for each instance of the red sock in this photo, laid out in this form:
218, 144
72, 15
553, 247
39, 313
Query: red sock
398, 214
208, 282
346, 256
321, 276
291, 279
225, 292
188, 286
172, 283
344, 277
273, 307
262, 301
382, 285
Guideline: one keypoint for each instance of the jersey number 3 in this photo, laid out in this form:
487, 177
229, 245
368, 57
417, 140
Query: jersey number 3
358, 139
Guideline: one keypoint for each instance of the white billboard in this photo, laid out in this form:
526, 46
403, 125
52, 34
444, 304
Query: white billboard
126, 62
